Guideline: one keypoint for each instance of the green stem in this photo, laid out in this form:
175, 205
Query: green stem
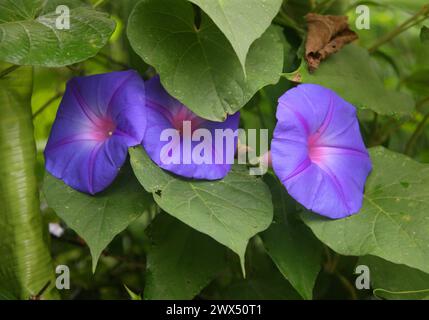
401, 28
347, 285
417, 22
421, 103
374, 125
284, 20
393, 126
98, 3
47, 104
419, 130
26, 265
113, 61
385, 132
6, 71
324, 6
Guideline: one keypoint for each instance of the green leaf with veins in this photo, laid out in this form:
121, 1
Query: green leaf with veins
199, 66
29, 33
231, 210
290, 244
393, 223
241, 21
396, 281
181, 261
98, 219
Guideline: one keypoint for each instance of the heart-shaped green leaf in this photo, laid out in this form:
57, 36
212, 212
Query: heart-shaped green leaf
241, 21
393, 223
198, 66
180, 261
231, 210
98, 219
290, 244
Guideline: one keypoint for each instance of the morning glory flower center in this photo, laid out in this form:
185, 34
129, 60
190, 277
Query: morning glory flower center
105, 129
315, 151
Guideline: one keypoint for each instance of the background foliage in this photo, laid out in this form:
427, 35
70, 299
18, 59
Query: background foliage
162, 237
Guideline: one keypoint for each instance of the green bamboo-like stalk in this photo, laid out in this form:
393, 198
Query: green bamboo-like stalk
25, 261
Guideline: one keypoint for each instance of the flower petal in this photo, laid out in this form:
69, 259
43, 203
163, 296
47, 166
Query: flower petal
318, 152
98, 119
165, 112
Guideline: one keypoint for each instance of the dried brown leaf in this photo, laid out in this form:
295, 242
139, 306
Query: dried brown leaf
326, 36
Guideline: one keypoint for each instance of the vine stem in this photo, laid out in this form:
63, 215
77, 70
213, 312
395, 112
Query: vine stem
347, 285
98, 3
26, 260
393, 126
419, 130
47, 104
113, 61
284, 20
5, 72
374, 125
421, 103
322, 7
401, 28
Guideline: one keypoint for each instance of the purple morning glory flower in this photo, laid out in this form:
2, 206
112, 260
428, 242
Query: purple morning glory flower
179, 141
318, 153
99, 117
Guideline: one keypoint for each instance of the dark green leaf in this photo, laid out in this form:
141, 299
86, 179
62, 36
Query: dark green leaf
270, 287
231, 210
199, 66
296, 253
264, 280
291, 245
424, 34
180, 261
396, 281
98, 219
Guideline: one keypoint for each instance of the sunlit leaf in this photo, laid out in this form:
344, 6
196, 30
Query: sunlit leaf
33, 33
241, 21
